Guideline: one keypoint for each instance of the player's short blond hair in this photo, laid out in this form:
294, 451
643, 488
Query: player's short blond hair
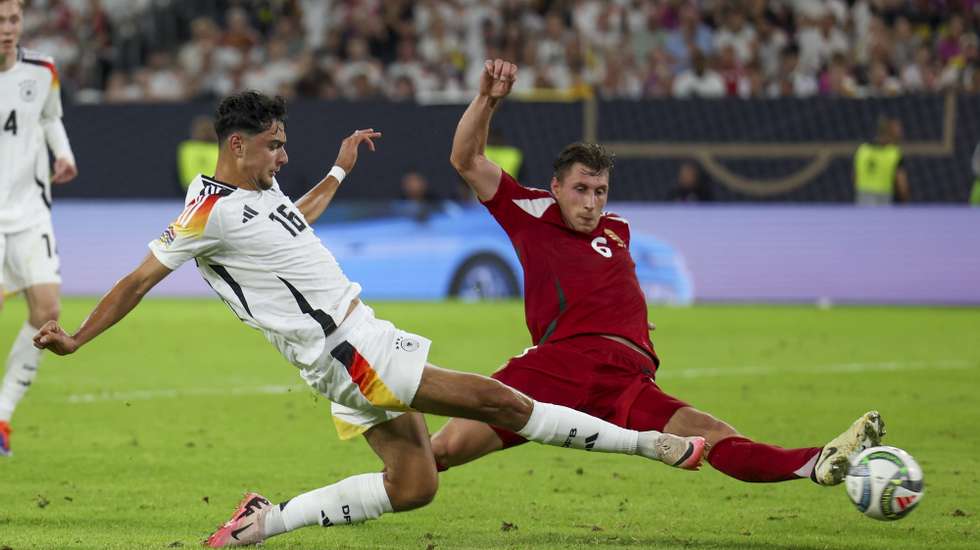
19, 2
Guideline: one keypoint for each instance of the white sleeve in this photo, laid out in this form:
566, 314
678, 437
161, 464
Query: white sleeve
54, 129
196, 232
57, 138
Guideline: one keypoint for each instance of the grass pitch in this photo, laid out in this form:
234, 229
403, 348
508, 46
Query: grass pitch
148, 437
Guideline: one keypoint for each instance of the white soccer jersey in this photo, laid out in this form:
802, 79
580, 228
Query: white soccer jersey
260, 255
30, 97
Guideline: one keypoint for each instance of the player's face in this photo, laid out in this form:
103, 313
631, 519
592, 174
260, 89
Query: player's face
11, 25
581, 196
265, 154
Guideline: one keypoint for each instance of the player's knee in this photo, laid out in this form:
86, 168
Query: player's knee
690, 421
413, 489
442, 451
43, 313
715, 430
504, 406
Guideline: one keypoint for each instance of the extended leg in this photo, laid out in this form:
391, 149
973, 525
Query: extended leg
463, 395
409, 481
23, 360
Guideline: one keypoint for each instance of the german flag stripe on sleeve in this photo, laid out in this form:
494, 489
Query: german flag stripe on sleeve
55, 80
192, 220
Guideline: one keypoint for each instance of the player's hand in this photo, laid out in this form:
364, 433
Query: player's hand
64, 171
498, 78
347, 157
53, 337
650, 326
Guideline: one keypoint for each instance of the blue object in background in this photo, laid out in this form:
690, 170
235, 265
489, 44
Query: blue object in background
432, 251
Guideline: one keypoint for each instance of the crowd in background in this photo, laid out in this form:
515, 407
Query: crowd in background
433, 50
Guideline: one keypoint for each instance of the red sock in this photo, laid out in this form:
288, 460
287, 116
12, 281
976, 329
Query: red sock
746, 460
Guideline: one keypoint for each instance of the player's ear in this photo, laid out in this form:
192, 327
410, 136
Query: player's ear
236, 144
555, 184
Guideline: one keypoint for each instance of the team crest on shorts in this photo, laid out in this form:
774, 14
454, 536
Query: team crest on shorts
28, 90
405, 343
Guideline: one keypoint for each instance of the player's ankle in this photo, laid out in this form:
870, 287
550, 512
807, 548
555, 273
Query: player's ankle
646, 445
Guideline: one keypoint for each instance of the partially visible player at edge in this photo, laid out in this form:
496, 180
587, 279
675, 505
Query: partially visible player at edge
30, 122
256, 249
588, 317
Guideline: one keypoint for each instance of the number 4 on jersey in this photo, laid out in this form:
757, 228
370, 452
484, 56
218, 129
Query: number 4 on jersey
11, 124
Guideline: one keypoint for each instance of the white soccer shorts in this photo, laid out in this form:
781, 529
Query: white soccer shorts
29, 258
370, 370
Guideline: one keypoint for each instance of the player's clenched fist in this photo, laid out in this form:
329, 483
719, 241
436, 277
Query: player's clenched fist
498, 78
53, 337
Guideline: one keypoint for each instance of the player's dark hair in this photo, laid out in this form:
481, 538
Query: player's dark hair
248, 111
592, 155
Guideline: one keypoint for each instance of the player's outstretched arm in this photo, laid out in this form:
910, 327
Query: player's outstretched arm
123, 297
470, 140
316, 200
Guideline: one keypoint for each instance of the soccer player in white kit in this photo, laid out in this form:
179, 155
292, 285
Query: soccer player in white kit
30, 122
256, 249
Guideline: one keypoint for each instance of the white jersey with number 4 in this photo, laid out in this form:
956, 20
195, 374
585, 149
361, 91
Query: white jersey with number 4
260, 255
29, 98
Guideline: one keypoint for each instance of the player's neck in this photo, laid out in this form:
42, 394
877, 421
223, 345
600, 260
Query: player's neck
229, 175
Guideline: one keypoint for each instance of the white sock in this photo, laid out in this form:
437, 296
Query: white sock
352, 500
21, 371
564, 427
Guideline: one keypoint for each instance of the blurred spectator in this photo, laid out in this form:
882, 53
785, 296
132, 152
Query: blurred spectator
791, 80
420, 202
691, 35
737, 34
199, 154
432, 50
699, 80
879, 175
503, 154
690, 185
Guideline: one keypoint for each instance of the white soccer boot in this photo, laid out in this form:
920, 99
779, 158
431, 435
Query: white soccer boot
835, 457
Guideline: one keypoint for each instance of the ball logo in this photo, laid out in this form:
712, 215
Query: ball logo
407, 344
28, 90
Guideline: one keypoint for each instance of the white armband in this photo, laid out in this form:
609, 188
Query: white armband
338, 173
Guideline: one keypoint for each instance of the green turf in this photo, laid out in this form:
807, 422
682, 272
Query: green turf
174, 433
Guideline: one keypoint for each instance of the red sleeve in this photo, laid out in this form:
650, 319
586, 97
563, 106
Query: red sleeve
514, 206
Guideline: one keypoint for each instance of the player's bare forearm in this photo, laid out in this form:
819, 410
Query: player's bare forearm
316, 200
469, 145
470, 140
116, 304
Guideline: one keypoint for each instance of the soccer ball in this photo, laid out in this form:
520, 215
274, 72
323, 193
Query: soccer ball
885, 483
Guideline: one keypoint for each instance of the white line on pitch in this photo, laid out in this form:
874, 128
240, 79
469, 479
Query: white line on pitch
711, 372
145, 395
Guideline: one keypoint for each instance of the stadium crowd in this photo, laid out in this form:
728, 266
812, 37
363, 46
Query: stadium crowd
432, 50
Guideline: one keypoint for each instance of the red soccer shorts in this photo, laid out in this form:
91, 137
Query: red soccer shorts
595, 375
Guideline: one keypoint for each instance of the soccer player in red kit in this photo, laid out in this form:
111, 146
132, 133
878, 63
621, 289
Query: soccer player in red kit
588, 317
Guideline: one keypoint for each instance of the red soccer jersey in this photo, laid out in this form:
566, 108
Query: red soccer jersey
574, 283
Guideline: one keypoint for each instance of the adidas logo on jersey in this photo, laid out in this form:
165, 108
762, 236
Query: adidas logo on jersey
248, 213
